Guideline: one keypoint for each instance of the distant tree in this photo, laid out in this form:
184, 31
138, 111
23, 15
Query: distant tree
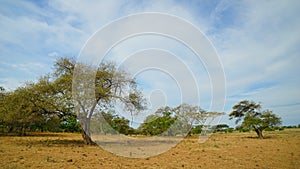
253, 117
221, 127
180, 120
116, 124
121, 125
70, 124
188, 115
191, 116
158, 123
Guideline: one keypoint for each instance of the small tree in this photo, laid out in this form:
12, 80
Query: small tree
221, 127
253, 117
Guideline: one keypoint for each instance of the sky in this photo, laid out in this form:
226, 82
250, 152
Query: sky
257, 43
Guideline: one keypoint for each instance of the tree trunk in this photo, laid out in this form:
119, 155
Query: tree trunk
24, 131
10, 129
189, 134
87, 139
259, 133
86, 133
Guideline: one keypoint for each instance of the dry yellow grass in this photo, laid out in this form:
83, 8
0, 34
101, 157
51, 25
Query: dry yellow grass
281, 149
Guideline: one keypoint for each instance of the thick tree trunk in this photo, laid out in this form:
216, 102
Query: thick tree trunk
87, 139
10, 129
259, 133
86, 134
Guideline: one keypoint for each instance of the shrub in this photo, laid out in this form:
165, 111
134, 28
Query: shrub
230, 130
269, 129
197, 130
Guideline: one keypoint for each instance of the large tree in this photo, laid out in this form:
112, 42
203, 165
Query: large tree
51, 98
95, 90
253, 117
19, 110
35, 105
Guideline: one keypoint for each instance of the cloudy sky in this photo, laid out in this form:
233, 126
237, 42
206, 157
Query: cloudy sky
257, 43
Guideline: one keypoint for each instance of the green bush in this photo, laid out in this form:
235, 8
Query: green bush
244, 130
70, 125
269, 129
230, 130
197, 130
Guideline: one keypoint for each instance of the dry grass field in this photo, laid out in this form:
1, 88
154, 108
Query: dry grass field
280, 149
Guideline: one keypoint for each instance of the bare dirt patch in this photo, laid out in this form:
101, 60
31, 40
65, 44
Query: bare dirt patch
281, 149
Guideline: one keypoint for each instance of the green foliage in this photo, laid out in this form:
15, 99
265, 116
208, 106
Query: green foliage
19, 111
158, 123
253, 118
110, 123
230, 130
269, 129
289, 127
181, 120
197, 129
112, 87
33, 107
70, 124
121, 125
242, 129
221, 127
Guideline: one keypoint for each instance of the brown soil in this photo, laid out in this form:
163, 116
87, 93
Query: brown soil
281, 149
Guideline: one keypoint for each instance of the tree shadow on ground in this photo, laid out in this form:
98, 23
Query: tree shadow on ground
32, 134
61, 142
255, 137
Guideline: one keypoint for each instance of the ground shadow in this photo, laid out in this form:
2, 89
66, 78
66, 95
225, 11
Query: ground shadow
62, 142
255, 137
32, 134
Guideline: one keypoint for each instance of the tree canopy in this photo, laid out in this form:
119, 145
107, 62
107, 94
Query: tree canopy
253, 117
78, 97
51, 98
181, 120
96, 90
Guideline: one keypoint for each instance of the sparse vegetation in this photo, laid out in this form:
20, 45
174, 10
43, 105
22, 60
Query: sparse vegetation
46, 106
279, 149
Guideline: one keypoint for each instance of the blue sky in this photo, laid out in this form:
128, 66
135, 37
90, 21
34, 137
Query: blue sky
257, 42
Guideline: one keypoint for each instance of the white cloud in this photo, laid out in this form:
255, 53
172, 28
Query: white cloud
256, 46
53, 54
262, 48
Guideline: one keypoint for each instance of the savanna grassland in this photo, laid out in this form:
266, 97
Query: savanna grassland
280, 149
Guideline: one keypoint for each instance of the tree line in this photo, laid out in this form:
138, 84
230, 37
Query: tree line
49, 104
